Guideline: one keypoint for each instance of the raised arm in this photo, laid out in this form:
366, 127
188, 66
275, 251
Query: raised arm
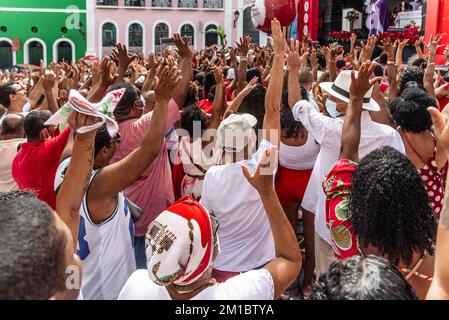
106, 79
350, 138
235, 105
219, 100
48, 85
272, 119
124, 60
430, 70
186, 53
287, 265
399, 52
418, 48
243, 48
71, 192
120, 175
391, 71
439, 289
294, 64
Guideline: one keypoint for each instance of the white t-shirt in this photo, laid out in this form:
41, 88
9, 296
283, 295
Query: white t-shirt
246, 240
252, 285
327, 132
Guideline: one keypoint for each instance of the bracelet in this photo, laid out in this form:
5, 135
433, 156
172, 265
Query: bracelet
243, 58
391, 62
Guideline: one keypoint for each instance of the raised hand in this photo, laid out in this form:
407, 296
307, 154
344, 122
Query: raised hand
433, 45
278, 32
218, 73
49, 81
183, 46
262, 179
166, 81
107, 76
124, 59
389, 48
402, 44
353, 38
252, 84
78, 120
294, 60
243, 46
95, 71
361, 82
335, 51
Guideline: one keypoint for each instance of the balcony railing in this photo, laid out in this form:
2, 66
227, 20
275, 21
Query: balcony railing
134, 3
213, 4
187, 4
162, 3
112, 3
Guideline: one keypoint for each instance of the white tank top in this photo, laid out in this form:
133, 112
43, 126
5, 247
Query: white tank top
299, 158
106, 249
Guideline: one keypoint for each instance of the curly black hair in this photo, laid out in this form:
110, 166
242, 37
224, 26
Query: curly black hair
411, 73
358, 278
390, 208
410, 110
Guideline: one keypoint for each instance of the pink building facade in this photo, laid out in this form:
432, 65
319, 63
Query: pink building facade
140, 24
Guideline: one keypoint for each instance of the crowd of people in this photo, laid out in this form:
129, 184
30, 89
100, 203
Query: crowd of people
245, 173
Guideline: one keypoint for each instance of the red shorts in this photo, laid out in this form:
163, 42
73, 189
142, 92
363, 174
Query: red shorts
291, 185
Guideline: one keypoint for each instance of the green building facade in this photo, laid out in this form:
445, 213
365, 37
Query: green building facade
51, 30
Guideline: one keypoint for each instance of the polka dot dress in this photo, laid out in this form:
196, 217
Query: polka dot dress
434, 182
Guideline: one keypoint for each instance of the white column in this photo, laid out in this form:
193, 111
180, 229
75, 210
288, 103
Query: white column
239, 26
228, 21
91, 32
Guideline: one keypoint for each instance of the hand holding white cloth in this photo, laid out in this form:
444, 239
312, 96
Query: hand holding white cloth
102, 110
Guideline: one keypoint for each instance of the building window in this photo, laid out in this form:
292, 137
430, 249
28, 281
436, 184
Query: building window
64, 52
35, 53
6, 54
248, 26
112, 3
187, 30
211, 37
162, 3
134, 3
135, 38
109, 37
187, 3
213, 4
160, 32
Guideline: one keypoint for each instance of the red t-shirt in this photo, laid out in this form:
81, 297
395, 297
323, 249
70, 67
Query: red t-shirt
34, 167
206, 105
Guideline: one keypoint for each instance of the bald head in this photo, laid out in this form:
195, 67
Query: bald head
12, 126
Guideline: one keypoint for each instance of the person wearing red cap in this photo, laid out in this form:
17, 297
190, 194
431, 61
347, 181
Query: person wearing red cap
182, 244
